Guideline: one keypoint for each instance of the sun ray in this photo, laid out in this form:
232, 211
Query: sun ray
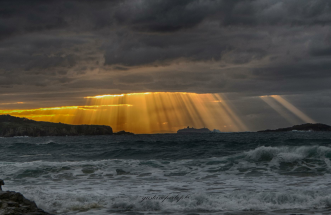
279, 109
234, 118
156, 112
293, 109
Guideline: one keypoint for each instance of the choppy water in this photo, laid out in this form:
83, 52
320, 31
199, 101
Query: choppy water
230, 173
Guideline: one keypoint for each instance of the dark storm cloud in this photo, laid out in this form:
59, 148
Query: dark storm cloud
165, 16
141, 49
325, 51
21, 17
301, 70
134, 79
174, 15
275, 12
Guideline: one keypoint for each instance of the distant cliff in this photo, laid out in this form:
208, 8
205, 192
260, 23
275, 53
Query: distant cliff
303, 127
11, 126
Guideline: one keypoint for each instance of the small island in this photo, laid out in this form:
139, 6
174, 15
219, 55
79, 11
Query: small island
303, 127
11, 126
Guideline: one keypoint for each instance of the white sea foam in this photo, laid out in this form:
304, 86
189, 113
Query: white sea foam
64, 187
287, 153
64, 201
44, 142
246, 181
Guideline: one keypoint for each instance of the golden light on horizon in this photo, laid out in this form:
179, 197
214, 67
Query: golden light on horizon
115, 95
14, 103
277, 102
148, 112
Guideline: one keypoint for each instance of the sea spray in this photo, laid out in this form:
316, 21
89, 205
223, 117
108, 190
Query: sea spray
221, 173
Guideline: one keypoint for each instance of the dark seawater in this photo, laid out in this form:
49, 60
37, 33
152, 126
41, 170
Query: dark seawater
226, 173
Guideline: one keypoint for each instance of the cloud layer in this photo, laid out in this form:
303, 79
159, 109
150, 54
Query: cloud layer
56, 52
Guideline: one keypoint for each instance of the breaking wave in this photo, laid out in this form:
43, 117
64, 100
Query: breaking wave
222, 174
63, 202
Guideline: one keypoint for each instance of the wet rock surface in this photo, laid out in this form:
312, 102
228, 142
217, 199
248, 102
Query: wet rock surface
14, 203
121, 172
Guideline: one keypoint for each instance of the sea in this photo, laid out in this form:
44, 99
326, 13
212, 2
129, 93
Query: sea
207, 174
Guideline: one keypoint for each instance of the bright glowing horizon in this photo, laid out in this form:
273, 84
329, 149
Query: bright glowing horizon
149, 112
158, 112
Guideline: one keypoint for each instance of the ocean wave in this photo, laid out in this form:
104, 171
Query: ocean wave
66, 202
262, 179
308, 160
236, 201
288, 153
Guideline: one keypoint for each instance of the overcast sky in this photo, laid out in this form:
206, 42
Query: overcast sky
53, 53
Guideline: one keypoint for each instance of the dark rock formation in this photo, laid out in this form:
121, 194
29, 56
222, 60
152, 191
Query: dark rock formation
123, 133
121, 172
303, 127
13, 203
14, 126
1, 183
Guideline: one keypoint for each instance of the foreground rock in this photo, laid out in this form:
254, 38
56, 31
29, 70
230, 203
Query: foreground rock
303, 127
11, 126
13, 203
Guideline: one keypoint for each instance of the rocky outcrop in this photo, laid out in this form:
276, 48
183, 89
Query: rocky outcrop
121, 172
14, 126
303, 127
13, 203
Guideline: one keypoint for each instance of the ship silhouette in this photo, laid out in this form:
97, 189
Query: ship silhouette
192, 130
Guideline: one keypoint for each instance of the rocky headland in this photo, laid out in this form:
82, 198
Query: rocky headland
11, 126
303, 127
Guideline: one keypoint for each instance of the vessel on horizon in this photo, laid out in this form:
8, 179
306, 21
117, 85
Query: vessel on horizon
189, 130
